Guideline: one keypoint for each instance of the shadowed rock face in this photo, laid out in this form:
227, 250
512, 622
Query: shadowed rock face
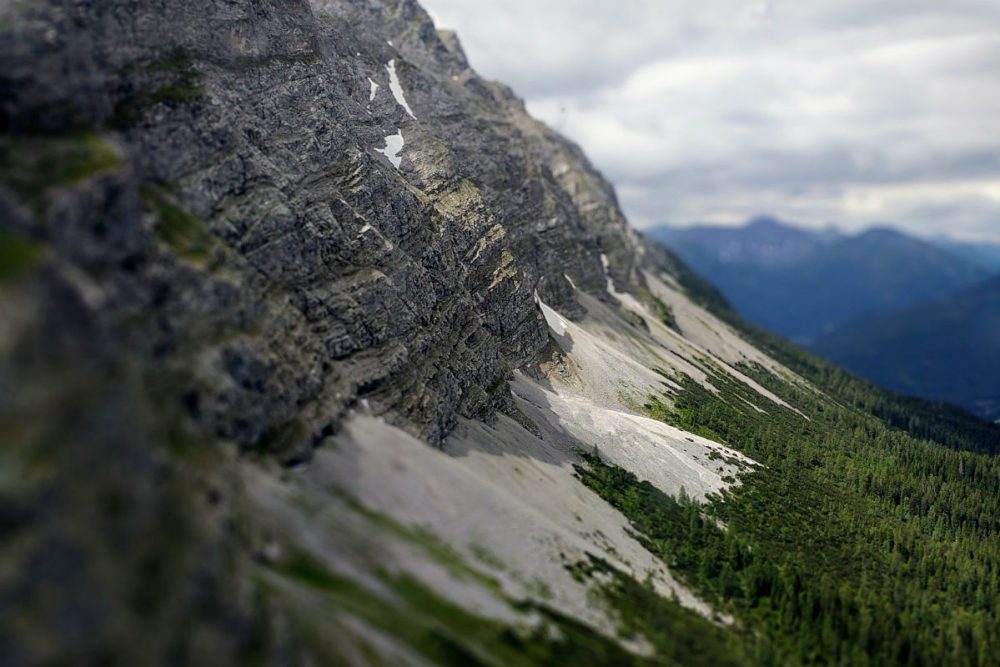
204, 239
251, 223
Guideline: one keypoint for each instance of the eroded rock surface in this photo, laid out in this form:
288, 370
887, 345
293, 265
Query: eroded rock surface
224, 228
255, 219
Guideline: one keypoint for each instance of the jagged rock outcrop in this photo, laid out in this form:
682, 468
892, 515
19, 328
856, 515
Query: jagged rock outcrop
244, 210
210, 232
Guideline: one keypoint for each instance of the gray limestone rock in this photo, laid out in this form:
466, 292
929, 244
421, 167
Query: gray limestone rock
203, 239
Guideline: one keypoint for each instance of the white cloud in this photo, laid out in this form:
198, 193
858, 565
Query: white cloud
831, 110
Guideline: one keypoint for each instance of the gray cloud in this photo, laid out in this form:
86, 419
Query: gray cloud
841, 111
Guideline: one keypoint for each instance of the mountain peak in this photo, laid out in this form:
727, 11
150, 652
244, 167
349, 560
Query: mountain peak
768, 223
885, 233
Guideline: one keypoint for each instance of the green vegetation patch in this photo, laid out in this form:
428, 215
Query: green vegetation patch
441, 552
187, 235
433, 626
32, 164
177, 84
682, 415
662, 311
446, 634
18, 255
280, 439
678, 635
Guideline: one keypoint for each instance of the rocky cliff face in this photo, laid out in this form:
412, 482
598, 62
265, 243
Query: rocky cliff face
225, 228
233, 185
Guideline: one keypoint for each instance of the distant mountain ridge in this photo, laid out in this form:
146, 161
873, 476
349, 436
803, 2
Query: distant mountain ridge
805, 284
948, 349
917, 316
986, 255
764, 242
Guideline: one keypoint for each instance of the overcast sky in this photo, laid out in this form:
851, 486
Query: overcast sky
845, 111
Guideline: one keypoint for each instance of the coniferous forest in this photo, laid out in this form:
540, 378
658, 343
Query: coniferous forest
869, 535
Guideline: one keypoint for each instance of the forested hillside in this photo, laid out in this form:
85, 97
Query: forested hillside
871, 535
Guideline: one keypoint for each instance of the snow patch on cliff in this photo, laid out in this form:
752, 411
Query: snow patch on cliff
393, 145
553, 319
607, 274
397, 89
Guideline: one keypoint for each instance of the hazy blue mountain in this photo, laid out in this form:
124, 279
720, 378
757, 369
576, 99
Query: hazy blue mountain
764, 242
948, 349
805, 284
986, 255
